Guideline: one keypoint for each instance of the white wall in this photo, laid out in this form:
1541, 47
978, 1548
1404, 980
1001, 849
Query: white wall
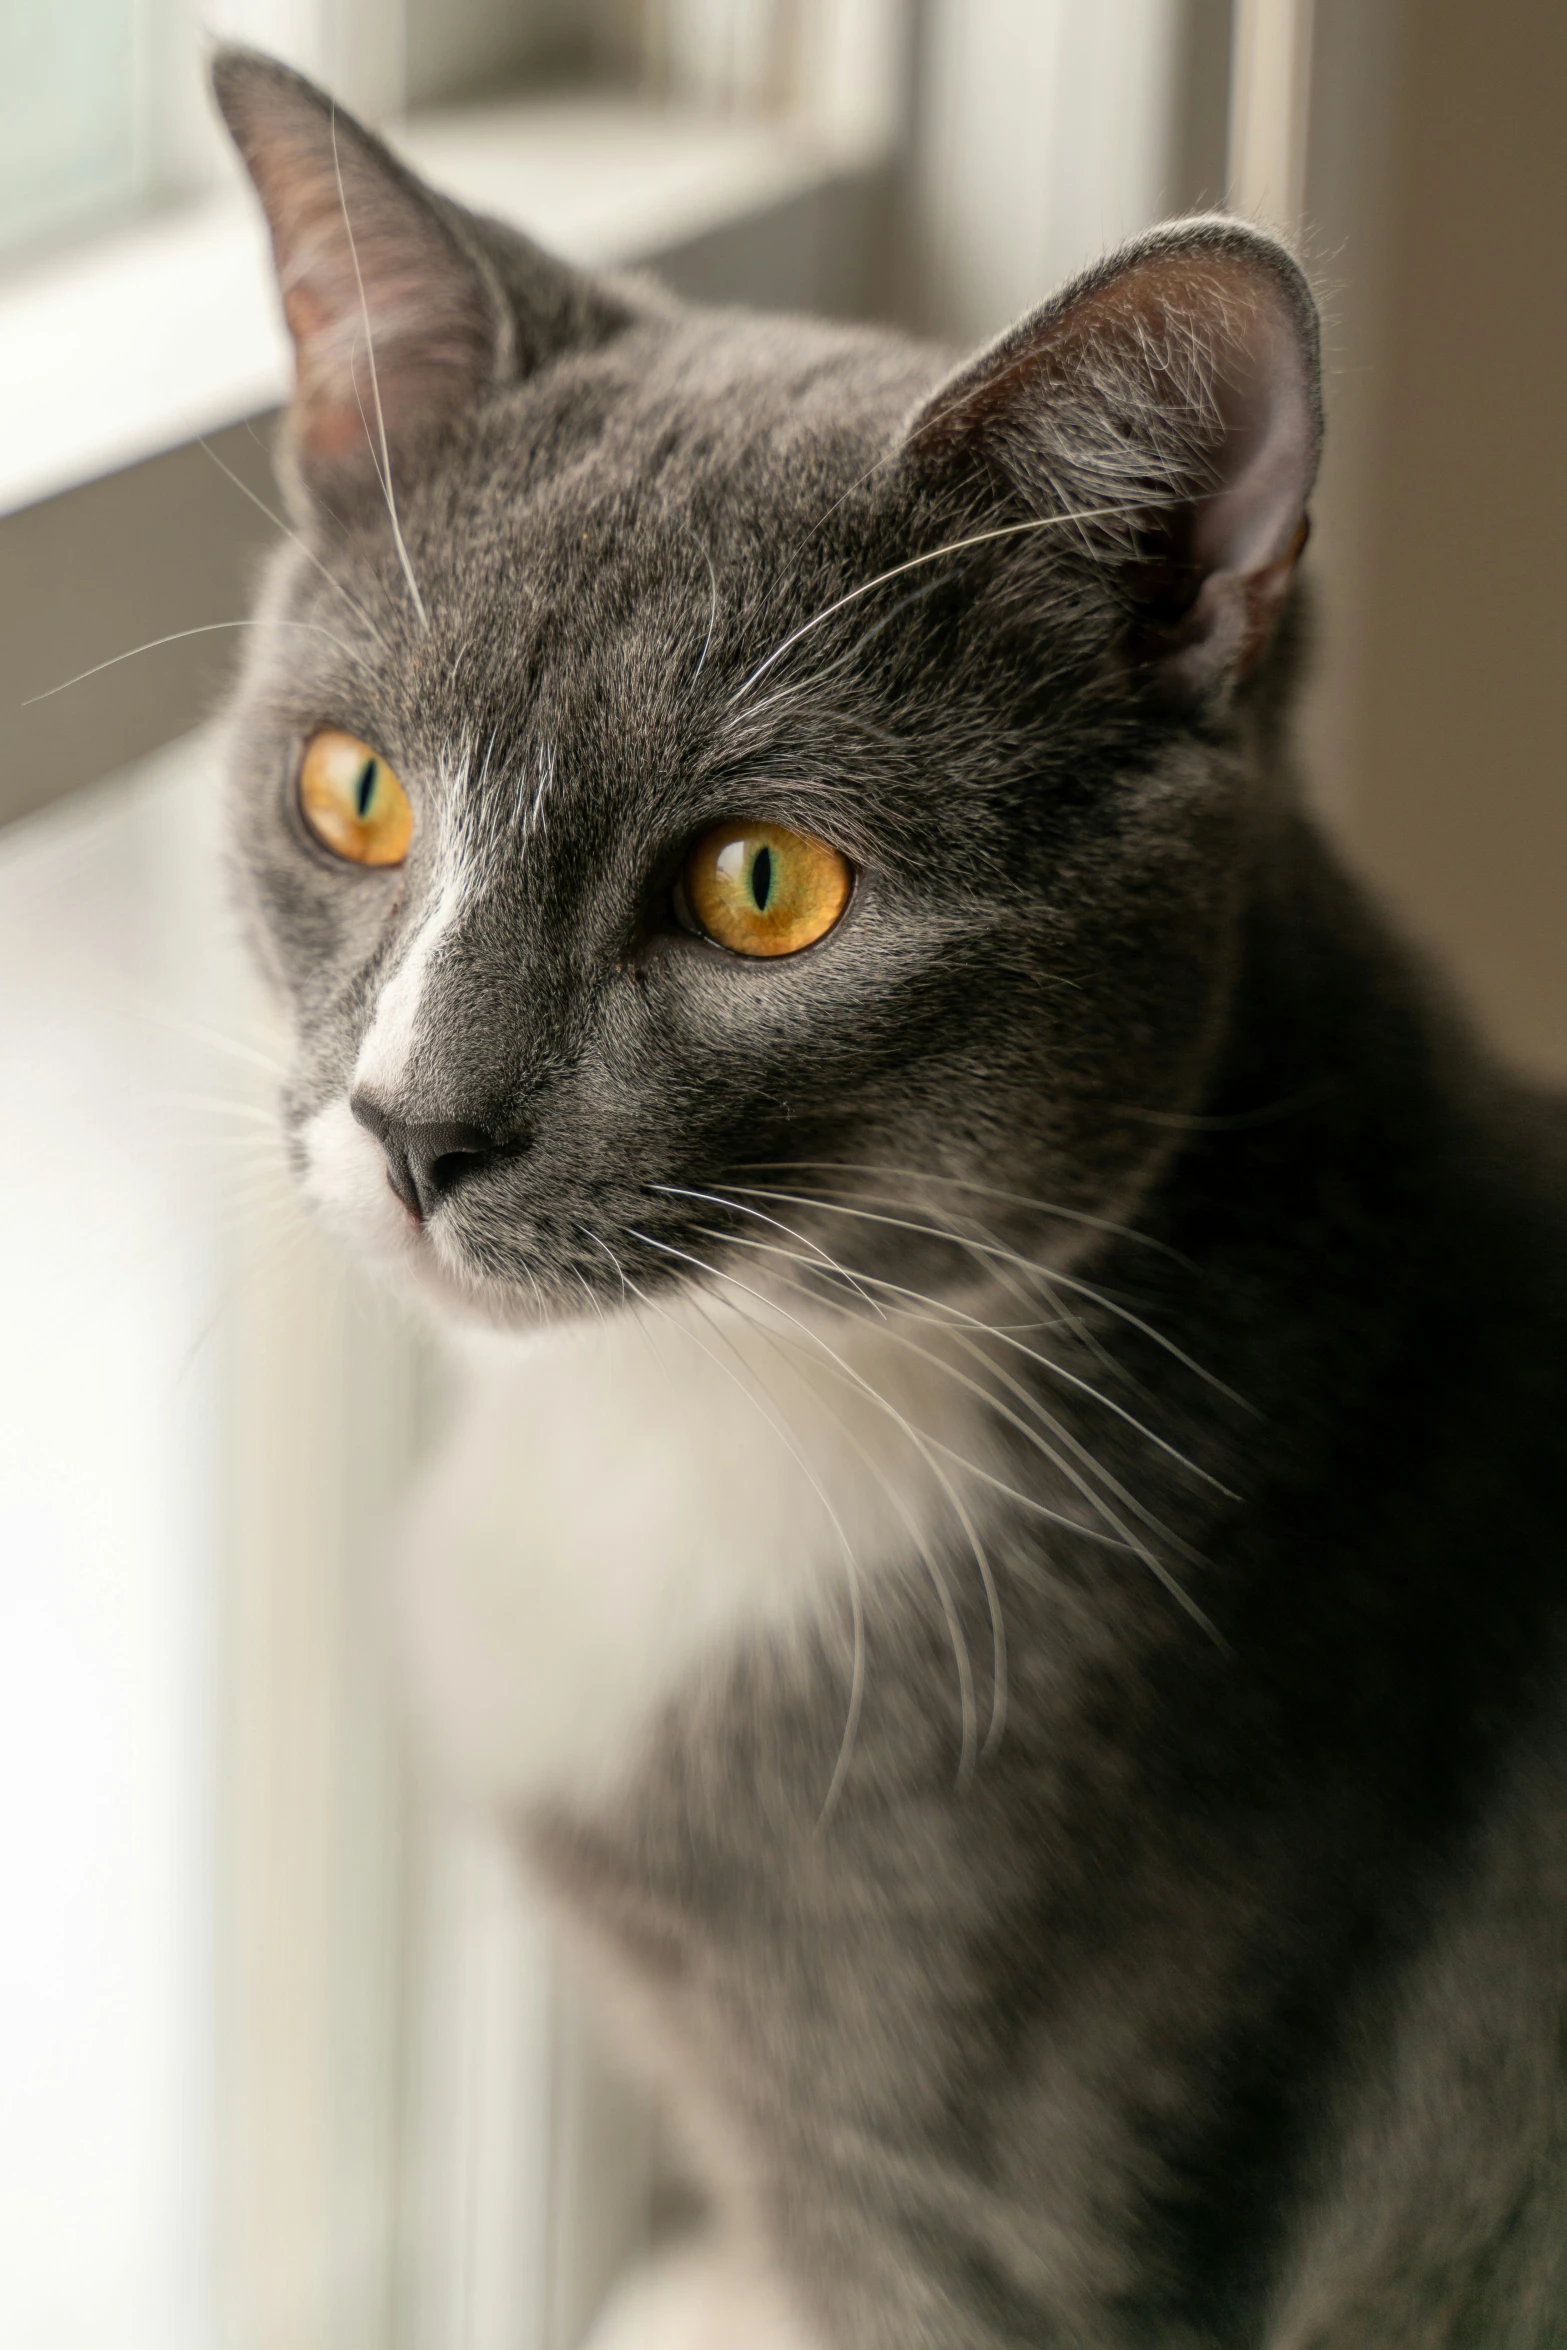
1045, 134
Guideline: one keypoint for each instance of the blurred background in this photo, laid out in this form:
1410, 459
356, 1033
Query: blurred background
285, 2062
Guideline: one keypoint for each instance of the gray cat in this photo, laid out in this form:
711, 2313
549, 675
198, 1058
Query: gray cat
1008, 1563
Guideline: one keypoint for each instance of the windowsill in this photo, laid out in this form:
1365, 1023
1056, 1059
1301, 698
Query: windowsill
155, 335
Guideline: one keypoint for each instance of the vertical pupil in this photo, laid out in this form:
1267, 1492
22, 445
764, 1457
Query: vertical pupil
364, 789
762, 878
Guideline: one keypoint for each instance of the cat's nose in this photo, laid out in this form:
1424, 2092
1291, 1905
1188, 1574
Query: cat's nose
425, 1157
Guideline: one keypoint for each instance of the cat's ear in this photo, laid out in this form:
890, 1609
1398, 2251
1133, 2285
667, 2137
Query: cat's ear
1169, 399
402, 307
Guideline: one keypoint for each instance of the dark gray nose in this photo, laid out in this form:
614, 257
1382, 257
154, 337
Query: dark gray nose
426, 1158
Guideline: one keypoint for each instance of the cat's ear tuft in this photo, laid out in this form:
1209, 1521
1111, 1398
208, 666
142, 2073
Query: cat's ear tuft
1169, 401
402, 308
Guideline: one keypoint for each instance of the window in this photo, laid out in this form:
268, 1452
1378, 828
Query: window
71, 144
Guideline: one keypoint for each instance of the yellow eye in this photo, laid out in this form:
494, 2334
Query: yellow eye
762, 890
352, 801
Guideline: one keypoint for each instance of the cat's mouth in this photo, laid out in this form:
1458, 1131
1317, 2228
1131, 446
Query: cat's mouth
471, 1266
807, 1237
474, 1268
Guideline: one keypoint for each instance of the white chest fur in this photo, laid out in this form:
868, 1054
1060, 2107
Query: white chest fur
620, 1506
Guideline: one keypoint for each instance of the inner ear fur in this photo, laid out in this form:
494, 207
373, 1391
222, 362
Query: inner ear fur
1170, 399
402, 308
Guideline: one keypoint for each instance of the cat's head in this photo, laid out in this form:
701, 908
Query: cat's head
696, 763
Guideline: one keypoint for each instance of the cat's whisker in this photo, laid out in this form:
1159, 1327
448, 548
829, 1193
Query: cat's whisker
177, 637
638, 1320
1019, 1287
383, 468
843, 719
968, 1716
1013, 1199
978, 538
1063, 1435
712, 610
851, 1563
261, 1200
1049, 1275
538, 1294
1076, 1325
1108, 1403
981, 1557
939, 1312
845, 660
1078, 1330
1017, 1284
298, 538
943, 1313
1030, 1502
1079, 1479
716, 1200
994, 1254
586, 1232
178, 1025
594, 1300
1013, 1493
1000, 1271
1047, 1512
798, 1256
217, 1102
890, 456
1074, 1444
253, 1148
1023, 1288
856, 1701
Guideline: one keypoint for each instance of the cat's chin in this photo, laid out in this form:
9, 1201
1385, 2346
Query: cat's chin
343, 1180
470, 1303
467, 1304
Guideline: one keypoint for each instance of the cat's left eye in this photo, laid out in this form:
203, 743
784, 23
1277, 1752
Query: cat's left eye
352, 801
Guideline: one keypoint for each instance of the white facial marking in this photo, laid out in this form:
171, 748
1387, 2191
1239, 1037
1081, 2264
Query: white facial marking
345, 1181
345, 1168
389, 1040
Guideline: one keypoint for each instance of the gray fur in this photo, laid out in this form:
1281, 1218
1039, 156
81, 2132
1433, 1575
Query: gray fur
1222, 2003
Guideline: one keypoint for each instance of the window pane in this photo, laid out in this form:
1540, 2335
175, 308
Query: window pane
68, 107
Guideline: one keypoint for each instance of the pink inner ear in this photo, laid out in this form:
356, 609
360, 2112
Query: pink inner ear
1267, 457
414, 299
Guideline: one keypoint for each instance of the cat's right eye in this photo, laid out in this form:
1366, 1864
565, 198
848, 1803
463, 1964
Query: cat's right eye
351, 800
